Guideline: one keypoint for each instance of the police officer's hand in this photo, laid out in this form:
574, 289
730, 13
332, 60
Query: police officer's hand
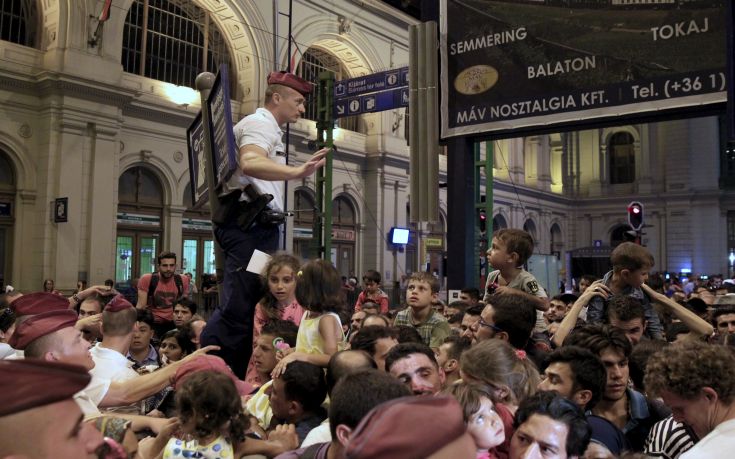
316, 161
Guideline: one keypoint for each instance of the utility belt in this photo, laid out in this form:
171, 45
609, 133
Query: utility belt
249, 212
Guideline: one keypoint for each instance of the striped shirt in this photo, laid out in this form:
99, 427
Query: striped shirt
669, 439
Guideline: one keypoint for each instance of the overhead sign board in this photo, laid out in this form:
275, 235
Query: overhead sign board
376, 102
518, 65
223, 137
375, 82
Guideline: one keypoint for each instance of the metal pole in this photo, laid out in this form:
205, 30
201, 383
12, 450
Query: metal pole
204, 83
324, 125
288, 126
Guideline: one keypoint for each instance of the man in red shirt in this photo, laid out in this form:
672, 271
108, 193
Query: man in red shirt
160, 291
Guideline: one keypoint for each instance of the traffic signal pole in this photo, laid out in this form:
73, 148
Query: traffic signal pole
322, 231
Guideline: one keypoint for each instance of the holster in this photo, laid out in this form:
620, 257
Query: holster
246, 212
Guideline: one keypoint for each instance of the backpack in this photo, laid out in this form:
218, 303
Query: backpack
154, 283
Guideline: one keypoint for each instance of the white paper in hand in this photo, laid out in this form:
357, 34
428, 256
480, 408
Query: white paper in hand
257, 262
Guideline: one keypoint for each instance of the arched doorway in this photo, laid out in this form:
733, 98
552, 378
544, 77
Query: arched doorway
530, 227
344, 235
557, 244
197, 251
7, 217
620, 234
499, 223
139, 228
303, 225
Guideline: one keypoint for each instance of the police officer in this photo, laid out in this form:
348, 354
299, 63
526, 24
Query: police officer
251, 220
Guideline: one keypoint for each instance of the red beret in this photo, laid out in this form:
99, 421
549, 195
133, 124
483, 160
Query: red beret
38, 302
390, 430
41, 325
290, 80
31, 383
119, 303
209, 363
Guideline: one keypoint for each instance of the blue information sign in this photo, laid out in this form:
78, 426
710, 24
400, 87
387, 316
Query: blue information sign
223, 138
376, 102
380, 81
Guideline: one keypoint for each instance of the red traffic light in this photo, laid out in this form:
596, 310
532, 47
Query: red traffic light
635, 215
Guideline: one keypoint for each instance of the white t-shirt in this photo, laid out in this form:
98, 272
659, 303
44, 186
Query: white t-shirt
262, 130
110, 364
716, 444
92, 395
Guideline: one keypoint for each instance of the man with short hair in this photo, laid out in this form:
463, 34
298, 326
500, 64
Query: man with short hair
341, 364
356, 322
51, 336
469, 326
547, 425
118, 324
558, 308
296, 397
579, 376
724, 320
141, 351
377, 341
414, 364
184, 310
160, 291
448, 355
697, 382
470, 295
90, 309
455, 307
251, 212
626, 408
38, 414
354, 396
626, 313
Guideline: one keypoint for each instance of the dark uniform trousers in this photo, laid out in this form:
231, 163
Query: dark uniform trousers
231, 324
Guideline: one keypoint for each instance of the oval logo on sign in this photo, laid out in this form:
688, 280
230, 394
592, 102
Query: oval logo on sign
476, 79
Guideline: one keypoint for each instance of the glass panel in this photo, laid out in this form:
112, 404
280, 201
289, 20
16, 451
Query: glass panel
208, 257
150, 191
127, 186
123, 260
189, 258
148, 253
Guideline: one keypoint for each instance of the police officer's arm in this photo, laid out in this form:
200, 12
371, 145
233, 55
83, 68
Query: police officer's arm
254, 162
693, 322
136, 389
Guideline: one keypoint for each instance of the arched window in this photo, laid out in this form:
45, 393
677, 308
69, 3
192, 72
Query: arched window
620, 234
499, 223
139, 228
18, 20
344, 235
173, 41
7, 211
557, 245
304, 243
313, 62
304, 205
622, 158
530, 228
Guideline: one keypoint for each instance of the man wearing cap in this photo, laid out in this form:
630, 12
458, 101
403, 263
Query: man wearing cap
51, 336
118, 323
262, 166
38, 416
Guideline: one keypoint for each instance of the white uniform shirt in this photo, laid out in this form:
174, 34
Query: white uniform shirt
110, 364
262, 130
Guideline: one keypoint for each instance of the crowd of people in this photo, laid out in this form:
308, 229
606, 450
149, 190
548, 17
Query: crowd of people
295, 362
628, 366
